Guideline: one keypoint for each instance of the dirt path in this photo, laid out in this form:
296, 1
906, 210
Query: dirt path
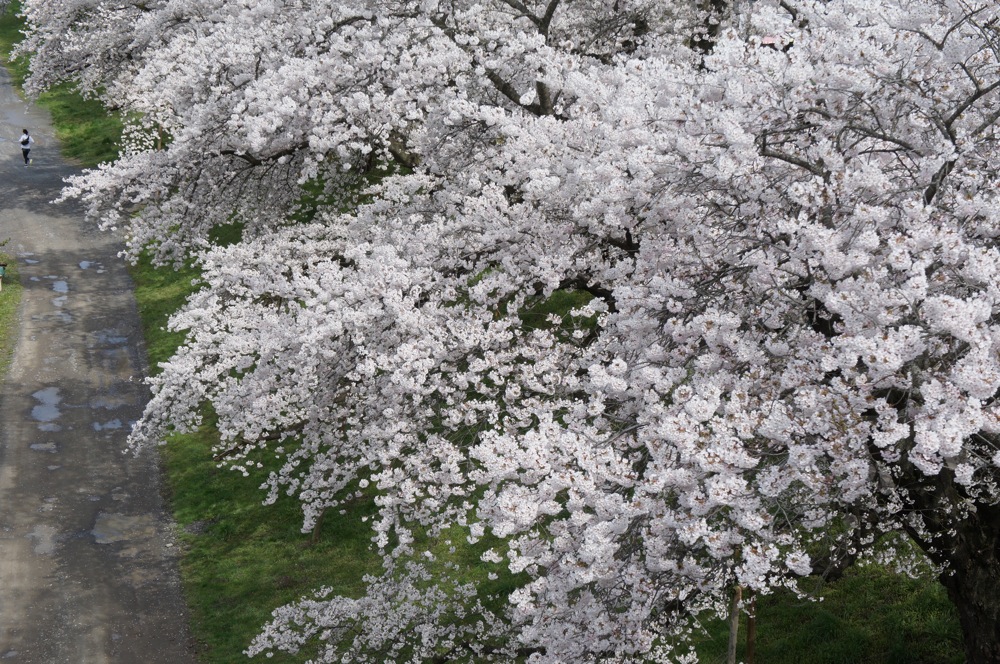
87, 559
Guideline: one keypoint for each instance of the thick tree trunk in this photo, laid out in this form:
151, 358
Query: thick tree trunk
969, 549
973, 584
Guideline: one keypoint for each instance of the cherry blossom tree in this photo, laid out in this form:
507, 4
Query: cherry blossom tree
637, 300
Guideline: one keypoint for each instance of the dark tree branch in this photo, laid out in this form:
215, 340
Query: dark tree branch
979, 94
260, 161
938, 180
766, 151
543, 26
525, 12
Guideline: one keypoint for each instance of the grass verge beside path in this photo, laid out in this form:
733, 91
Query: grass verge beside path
10, 297
242, 559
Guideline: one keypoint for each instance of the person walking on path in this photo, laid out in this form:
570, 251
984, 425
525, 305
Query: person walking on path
26, 142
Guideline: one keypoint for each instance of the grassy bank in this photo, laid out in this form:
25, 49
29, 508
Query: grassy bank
242, 559
10, 297
870, 616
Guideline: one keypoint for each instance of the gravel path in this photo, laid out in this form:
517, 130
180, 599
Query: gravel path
88, 569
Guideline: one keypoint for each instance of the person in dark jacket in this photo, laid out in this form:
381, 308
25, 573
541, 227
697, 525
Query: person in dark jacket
26, 142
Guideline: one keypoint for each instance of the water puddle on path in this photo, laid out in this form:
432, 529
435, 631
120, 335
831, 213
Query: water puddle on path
110, 401
45, 539
111, 528
86, 265
110, 337
113, 424
47, 409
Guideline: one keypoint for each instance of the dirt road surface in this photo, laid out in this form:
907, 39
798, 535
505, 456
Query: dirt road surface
88, 570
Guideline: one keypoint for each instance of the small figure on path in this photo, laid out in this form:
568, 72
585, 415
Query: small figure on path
26, 142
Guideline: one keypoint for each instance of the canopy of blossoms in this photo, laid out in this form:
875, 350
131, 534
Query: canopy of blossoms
643, 300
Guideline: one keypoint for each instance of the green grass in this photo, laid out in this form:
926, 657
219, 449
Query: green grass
242, 559
870, 616
10, 34
86, 134
247, 559
159, 293
10, 297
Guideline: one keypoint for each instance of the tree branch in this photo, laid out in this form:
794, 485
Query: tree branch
766, 151
979, 94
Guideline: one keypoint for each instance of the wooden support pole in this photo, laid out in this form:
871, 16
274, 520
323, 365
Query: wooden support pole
734, 624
